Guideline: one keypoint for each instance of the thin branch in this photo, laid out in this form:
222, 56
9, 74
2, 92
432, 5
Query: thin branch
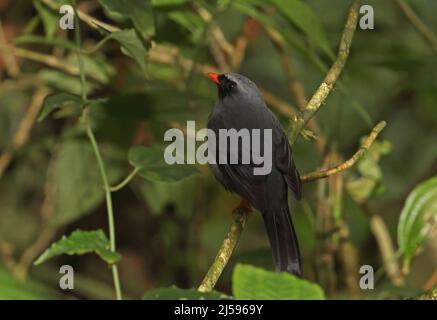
225, 251
46, 59
365, 145
23, 132
319, 97
9, 59
296, 88
386, 247
415, 20
92, 22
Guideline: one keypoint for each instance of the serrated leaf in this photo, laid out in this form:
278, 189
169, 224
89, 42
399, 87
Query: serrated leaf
303, 16
152, 166
252, 283
175, 293
417, 217
81, 242
139, 12
60, 100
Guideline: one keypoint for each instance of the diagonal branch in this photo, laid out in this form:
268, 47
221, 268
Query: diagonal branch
422, 28
325, 88
365, 145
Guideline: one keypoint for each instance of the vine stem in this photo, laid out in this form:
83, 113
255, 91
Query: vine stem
108, 198
100, 163
125, 181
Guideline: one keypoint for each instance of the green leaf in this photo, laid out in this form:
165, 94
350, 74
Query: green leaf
49, 18
35, 39
417, 217
80, 242
303, 16
180, 194
96, 67
152, 166
63, 82
79, 184
370, 180
12, 288
139, 12
175, 293
158, 3
252, 283
60, 100
131, 46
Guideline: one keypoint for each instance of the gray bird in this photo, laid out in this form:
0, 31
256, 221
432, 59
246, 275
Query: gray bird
240, 105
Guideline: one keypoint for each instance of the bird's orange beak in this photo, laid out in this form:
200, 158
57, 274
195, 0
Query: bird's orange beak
214, 77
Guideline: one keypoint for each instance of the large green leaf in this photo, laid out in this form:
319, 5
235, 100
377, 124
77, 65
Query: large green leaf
139, 12
80, 242
249, 282
152, 166
417, 217
304, 17
77, 179
175, 293
59, 100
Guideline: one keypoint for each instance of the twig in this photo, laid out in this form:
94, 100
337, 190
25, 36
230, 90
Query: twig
9, 59
294, 85
225, 251
22, 134
46, 59
92, 22
365, 145
422, 28
296, 88
125, 181
319, 97
47, 231
386, 247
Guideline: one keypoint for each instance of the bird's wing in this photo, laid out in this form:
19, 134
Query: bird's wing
285, 163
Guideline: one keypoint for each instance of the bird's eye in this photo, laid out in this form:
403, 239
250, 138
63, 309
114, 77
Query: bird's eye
231, 85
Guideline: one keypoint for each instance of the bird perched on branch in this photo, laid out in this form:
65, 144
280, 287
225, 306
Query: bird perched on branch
240, 105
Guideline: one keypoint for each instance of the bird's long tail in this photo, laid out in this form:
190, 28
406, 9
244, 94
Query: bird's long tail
283, 240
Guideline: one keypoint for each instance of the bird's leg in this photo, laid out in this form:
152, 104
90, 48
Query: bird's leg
244, 207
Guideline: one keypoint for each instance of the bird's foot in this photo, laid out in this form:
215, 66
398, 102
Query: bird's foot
243, 207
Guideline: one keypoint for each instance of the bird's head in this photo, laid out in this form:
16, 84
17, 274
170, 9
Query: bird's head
234, 85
